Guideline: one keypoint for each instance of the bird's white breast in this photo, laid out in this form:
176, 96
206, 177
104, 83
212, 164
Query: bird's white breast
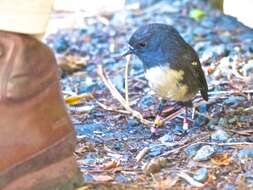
165, 82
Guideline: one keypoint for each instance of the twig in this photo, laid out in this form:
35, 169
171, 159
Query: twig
142, 153
232, 144
190, 180
105, 107
174, 115
175, 150
228, 92
126, 78
115, 93
246, 132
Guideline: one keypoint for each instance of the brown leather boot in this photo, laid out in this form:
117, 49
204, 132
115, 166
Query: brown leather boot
36, 137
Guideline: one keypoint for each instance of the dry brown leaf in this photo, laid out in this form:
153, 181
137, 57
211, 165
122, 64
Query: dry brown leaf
221, 159
166, 184
102, 178
111, 164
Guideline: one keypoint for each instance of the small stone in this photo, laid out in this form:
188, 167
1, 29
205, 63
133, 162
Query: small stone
154, 166
166, 138
192, 150
219, 135
219, 49
222, 122
206, 55
201, 175
233, 119
229, 186
245, 153
204, 153
147, 101
234, 100
245, 118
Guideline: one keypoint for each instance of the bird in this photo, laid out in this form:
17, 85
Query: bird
171, 66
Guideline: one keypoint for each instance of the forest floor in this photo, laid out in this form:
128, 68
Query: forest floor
115, 147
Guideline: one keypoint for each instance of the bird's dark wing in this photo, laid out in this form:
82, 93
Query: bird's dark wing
187, 59
192, 66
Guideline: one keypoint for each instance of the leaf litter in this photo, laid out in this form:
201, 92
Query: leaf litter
113, 109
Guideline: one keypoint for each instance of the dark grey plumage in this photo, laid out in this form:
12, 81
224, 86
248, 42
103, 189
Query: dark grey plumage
160, 46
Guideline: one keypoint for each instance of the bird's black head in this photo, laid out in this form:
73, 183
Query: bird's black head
154, 43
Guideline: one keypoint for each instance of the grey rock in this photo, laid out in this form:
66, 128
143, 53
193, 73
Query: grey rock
222, 122
229, 186
166, 138
219, 135
245, 118
219, 49
245, 153
192, 150
204, 153
201, 175
234, 100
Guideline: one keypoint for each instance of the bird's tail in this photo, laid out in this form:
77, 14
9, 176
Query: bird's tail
204, 93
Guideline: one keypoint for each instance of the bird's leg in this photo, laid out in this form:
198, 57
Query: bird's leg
158, 119
186, 121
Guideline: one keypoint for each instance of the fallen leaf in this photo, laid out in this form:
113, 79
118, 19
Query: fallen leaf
110, 165
220, 159
167, 183
102, 178
77, 98
70, 64
196, 13
83, 188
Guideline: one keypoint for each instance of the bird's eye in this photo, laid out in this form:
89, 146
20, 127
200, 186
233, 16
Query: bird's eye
142, 44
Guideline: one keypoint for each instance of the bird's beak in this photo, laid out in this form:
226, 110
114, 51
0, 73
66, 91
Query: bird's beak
129, 51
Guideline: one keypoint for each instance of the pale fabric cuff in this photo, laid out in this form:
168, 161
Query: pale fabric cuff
29, 18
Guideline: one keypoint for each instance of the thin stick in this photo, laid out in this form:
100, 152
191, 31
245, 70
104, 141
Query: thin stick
115, 93
232, 144
128, 57
189, 179
105, 107
230, 92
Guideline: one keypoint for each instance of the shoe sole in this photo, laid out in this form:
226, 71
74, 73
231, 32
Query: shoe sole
62, 175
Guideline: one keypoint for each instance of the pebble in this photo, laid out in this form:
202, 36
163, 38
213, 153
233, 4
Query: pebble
229, 186
166, 138
219, 135
245, 153
204, 153
234, 100
201, 175
147, 101
192, 150
222, 121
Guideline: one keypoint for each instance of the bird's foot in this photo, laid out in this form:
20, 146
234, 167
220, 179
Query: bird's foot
158, 121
